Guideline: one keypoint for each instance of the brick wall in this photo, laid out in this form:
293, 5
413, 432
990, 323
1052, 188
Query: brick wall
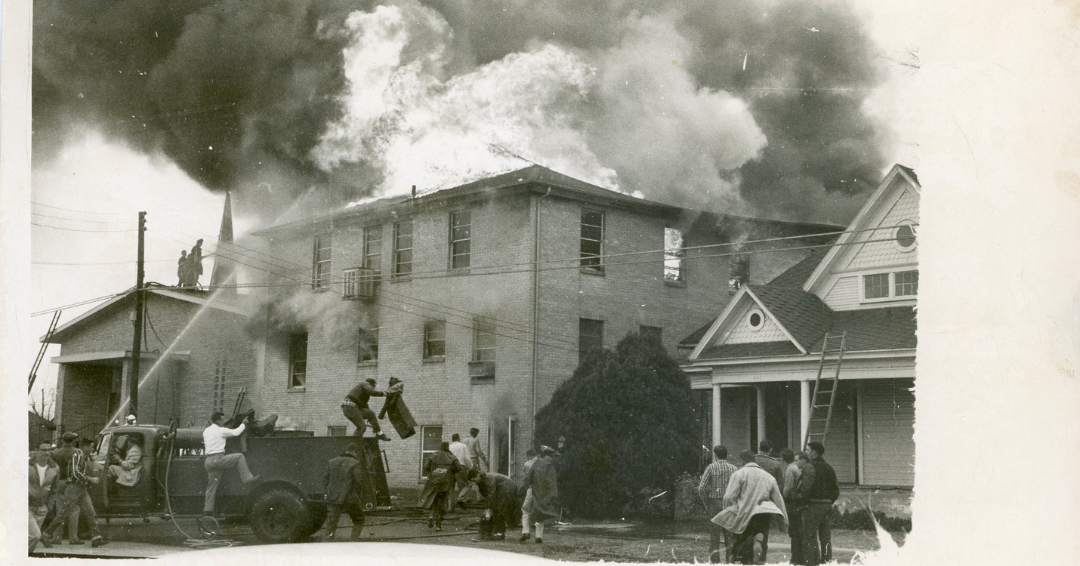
180, 388
440, 392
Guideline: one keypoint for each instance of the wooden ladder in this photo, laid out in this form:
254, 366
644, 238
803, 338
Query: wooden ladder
825, 386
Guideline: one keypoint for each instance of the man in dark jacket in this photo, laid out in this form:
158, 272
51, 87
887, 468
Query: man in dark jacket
43, 474
74, 500
355, 408
344, 480
503, 498
818, 490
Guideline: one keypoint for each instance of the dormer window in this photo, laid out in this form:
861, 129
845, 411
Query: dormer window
890, 286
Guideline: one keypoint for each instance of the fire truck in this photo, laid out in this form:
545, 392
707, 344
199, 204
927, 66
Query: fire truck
286, 503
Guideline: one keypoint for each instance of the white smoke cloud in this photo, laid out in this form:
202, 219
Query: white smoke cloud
630, 116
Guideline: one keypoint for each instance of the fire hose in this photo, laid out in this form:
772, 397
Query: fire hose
208, 531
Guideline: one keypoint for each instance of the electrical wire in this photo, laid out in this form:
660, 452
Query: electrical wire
78, 211
79, 304
79, 230
83, 219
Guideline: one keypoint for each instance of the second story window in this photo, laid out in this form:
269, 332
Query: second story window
403, 248
906, 283
592, 241
298, 360
893, 285
673, 256
368, 351
373, 248
320, 269
590, 336
460, 239
483, 341
434, 339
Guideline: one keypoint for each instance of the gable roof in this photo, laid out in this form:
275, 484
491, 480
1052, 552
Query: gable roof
803, 315
870, 330
236, 304
859, 222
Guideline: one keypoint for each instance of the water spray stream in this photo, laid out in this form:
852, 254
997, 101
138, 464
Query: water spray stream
168, 350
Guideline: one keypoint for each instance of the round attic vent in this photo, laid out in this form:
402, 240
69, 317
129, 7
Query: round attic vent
905, 237
755, 319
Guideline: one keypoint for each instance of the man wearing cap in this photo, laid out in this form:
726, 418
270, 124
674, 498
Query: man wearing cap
355, 407
43, 474
74, 499
218, 462
344, 480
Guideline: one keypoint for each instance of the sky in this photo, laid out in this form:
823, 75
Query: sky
779, 109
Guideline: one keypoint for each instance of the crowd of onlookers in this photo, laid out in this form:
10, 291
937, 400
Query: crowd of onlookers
796, 490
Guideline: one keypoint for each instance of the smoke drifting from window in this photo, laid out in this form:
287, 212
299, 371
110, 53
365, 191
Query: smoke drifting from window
729, 105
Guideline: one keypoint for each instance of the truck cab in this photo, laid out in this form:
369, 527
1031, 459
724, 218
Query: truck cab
286, 504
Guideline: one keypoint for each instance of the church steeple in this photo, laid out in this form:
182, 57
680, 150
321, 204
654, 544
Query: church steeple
224, 269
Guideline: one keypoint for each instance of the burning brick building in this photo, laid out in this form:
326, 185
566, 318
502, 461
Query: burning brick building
481, 297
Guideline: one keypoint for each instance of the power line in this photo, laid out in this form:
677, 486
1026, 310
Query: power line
98, 262
78, 230
81, 219
79, 304
79, 211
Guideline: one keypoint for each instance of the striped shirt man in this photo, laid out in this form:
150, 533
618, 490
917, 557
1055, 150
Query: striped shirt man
715, 480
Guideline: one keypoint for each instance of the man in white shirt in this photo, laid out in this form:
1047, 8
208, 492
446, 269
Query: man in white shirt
464, 457
476, 454
218, 462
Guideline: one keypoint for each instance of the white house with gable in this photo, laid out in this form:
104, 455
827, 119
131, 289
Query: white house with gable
761, 355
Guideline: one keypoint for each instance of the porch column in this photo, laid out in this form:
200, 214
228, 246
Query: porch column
760, 389
58, 403
804, 410
715, 415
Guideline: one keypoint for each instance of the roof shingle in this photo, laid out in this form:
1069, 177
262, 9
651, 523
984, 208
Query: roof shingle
803, 314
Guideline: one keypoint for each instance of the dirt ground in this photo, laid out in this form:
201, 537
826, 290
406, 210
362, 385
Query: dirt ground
580, 542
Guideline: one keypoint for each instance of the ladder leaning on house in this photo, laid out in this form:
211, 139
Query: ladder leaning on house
41, 352
828, 381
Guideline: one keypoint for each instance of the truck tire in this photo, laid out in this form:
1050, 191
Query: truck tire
317, 513
279, 515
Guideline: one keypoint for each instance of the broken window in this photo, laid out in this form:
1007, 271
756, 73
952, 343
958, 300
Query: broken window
460, 239
434, 339
369, 345
320, 270
673, 255
298, 360
592, 241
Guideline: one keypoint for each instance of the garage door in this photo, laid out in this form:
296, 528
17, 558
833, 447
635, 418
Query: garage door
888, 428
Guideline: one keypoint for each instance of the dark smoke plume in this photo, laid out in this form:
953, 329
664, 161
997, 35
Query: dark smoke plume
752, 107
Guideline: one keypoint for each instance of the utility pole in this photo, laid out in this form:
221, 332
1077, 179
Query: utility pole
136, 343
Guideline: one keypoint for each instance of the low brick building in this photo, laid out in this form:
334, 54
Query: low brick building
196, 356
482, 296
